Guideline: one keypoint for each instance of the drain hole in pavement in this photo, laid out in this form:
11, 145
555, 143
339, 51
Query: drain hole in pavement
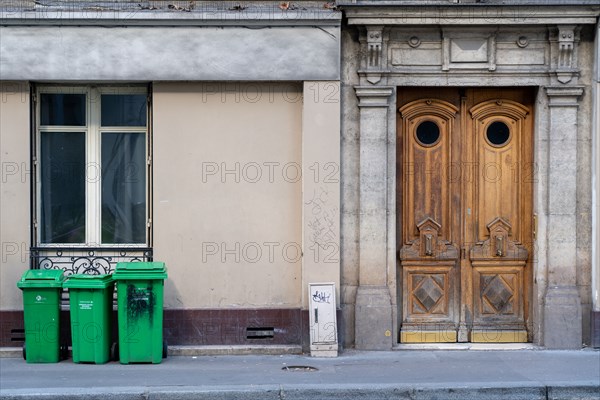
301, 368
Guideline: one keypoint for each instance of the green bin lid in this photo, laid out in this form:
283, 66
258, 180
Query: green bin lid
140, 270
39, 278
140, 266
88, 281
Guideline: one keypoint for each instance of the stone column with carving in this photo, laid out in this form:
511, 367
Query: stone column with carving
562, 307
373, 312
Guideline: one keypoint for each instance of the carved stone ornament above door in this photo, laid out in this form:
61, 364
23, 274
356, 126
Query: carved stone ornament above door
374, 54
564, 41
468, 50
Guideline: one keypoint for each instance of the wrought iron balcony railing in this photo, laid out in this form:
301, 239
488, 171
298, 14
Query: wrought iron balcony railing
86, 260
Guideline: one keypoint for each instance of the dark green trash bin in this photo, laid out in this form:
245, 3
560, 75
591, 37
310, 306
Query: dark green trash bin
140, 311
41, 308
91, 301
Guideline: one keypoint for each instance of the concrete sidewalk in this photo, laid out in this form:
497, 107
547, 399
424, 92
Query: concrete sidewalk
405, 374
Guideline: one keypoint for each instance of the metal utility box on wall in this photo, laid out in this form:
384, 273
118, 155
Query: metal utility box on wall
323, 324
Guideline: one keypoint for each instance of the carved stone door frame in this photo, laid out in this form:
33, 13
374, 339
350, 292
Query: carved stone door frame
406, 50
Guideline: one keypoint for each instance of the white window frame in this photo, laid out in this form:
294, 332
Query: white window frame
93, 157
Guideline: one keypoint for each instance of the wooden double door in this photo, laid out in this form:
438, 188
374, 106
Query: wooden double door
466, 226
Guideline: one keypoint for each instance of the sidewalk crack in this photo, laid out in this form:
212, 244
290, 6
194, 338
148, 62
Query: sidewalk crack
282, 393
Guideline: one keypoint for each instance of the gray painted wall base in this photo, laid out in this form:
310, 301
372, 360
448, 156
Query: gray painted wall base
373, 318
562, 318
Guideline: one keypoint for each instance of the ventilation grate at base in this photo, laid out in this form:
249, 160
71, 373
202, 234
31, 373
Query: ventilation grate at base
260, 333
17, 335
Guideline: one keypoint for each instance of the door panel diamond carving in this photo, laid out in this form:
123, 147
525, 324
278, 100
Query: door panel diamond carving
497, 292
499, 295
428, 293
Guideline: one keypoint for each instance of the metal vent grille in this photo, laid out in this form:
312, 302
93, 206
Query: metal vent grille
260, 333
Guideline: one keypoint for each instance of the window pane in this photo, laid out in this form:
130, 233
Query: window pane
62, 109
123, 188
123, 110
63, 187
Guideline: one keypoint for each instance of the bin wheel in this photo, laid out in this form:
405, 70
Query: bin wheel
24, 352
64, 351
164, 349
114, 351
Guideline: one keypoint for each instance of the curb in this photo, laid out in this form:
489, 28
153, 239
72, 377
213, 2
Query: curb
312, 392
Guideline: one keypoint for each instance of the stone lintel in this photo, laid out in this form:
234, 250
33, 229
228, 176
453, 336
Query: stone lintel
419, 14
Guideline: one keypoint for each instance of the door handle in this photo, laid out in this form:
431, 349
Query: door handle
499, 246
428, 245
316, 315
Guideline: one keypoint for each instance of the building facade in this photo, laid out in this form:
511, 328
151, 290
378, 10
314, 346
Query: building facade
436, 160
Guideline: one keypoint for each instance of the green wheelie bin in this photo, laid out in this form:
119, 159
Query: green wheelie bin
140, 311
91, 301
41, 308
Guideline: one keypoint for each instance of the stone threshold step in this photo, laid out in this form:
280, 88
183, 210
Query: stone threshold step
212, 350
237, 350
11, 352
468, 346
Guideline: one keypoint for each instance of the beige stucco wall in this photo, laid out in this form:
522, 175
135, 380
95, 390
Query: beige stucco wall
321, 185
14, 190
227, 193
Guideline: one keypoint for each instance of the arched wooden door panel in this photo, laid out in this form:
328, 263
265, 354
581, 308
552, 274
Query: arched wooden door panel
465, 194
429, 254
